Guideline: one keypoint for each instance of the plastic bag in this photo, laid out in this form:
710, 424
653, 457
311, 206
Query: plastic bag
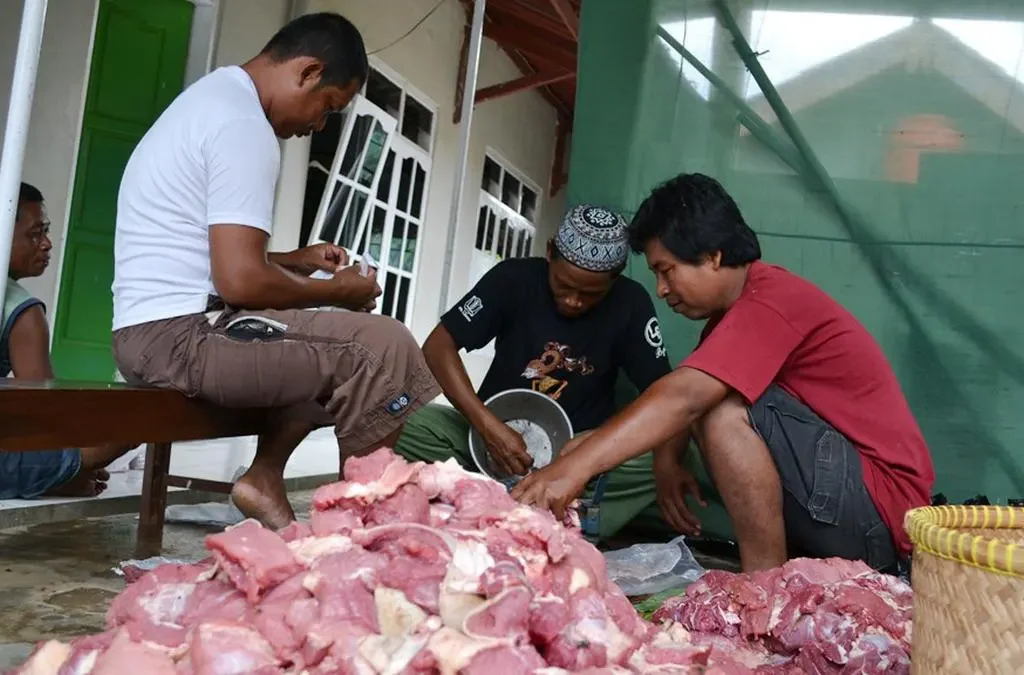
644, 569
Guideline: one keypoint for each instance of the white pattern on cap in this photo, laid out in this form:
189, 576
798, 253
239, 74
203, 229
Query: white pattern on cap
593, 238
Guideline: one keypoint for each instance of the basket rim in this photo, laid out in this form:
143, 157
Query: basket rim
937, 530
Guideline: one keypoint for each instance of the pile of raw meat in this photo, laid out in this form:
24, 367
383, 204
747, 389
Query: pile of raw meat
425, 568
808, 616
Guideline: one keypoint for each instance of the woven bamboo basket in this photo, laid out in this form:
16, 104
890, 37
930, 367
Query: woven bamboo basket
968, 578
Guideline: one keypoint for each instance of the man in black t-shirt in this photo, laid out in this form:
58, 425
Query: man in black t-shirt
564, 326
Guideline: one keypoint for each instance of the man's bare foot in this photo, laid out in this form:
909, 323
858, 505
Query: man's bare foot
86, 483
259, 493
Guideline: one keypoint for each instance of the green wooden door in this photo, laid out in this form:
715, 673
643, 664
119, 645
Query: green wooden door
138, 67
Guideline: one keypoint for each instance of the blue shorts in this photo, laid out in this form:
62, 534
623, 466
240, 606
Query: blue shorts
26, 475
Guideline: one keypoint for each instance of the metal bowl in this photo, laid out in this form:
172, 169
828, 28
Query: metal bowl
542, 421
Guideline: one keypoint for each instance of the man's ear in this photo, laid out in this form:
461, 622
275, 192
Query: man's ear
547, 250
310, 72
716, 260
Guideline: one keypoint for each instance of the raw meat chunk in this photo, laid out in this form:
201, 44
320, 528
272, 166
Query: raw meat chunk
414, 569
254, 558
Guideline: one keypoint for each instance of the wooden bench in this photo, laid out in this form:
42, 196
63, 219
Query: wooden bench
62, 414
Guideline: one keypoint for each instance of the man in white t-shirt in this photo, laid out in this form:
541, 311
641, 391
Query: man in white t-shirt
200, 306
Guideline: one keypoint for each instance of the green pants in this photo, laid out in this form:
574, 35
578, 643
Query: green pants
437, 432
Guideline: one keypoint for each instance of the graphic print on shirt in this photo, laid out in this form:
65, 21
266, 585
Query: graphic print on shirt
555, 358
652, 333
471, 307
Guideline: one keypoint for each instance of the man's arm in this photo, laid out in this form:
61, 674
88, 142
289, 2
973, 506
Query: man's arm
644, 358
442, 357
29, 346
478, 318
245, 278
665, 411
241, 162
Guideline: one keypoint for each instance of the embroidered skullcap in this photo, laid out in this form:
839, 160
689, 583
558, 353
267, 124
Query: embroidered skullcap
593, 238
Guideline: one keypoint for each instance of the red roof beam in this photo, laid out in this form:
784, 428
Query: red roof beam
525, 83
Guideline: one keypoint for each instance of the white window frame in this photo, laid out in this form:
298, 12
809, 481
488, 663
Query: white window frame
360, 106
403, 149
517, 225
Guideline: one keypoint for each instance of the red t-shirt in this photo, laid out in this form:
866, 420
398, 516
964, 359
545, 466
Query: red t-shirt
785, 330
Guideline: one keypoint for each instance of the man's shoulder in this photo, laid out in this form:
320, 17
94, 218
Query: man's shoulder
799, 300
774, 284
630, 293
521, 266
17, 296
219, 99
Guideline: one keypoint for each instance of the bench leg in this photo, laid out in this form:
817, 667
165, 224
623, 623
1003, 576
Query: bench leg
154, 500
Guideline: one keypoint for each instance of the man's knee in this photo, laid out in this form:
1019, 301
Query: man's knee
722, 421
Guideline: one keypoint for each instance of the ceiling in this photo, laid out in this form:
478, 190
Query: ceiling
541, 38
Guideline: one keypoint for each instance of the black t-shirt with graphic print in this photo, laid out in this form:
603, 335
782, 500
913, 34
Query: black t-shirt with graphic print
574, 361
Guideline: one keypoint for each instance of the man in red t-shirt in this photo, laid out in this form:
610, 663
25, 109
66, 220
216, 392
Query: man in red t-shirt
798, 415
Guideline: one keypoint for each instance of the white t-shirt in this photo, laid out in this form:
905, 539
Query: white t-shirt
211, 157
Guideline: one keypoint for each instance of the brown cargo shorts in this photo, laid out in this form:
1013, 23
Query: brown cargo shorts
365, 371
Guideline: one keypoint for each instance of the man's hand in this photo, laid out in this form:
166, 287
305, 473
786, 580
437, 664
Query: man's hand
554, 487
673, 484
321, 257
507, 447
354, 291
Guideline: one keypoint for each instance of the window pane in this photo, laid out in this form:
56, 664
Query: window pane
395, 245
417, 122
373, 153
403, 298
510, 239
377, 232
492, 177
490, 231
383, 93
410, 246
520, 243
324, 143
528, 209
387, 307
356, 143
510, 192
529, 245
352, 218
502, 238
316, 183
417, 192
332, 221
481, 228
384, 184
405, 185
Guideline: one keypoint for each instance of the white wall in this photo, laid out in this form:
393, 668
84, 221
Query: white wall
520, 128
56, 112
245, 26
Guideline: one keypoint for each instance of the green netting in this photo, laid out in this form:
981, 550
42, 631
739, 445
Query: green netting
905, 203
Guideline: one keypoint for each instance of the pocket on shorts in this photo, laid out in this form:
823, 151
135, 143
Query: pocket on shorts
825, 503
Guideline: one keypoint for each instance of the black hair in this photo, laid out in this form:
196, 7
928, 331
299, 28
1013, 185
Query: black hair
29, 194
693, 217
557, 255
328, 37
